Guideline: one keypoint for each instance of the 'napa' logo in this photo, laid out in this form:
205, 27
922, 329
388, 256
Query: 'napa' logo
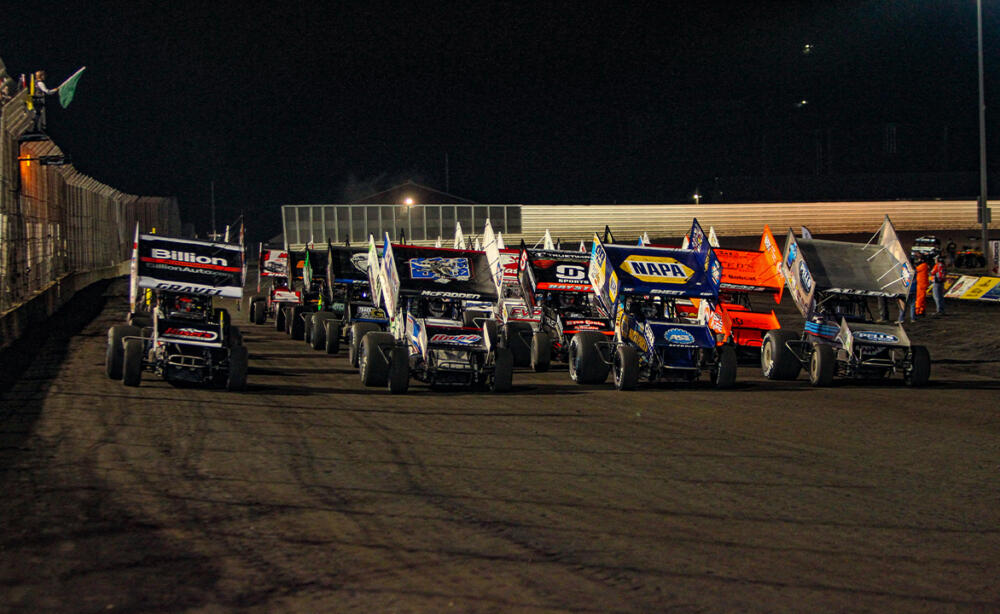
875, 337
441, 270
657, 269
678, 336
805, 277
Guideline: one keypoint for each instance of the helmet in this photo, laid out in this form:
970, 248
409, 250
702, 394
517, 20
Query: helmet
436, 307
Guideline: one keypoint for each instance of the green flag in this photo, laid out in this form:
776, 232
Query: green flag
68, 88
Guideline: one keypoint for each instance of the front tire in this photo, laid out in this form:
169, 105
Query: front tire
586, 363
399, 370
541, 352
725, 367
332, 341
919, 372
503, 371
373, 363
516, 334
358, 332
114, 357
236, 379
821, 365
777, 361
132, 362
626, 368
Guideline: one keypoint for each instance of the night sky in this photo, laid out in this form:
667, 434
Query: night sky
567, 102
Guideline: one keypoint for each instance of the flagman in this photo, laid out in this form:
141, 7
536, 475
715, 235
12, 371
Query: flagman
38, 93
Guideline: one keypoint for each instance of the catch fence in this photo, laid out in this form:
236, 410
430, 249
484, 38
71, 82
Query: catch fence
56, 221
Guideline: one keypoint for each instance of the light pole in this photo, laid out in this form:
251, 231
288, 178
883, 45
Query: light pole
984, 212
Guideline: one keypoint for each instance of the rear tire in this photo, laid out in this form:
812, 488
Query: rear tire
919, 372
318, 339
725, 367
373, 362
821, 365
541, 352
399, 370
516, 334
332, 334
586, 363
777, 362
503, 372
626, 368
132, 362
236, 379
114, 357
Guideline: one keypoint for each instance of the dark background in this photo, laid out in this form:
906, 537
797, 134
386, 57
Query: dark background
573, 102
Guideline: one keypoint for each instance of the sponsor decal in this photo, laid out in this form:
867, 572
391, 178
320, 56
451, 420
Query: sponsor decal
647, 333
657, 269
613, 286
440, 270
169, 254
286, 295
182, 289
666, 292
366, 311
793, 251
805, 277
571, 287
456, 339
875, 337
192, 333
466, 295
360, 261
571, 273
716, 272
579, 323
905, 274
678, 336
639, 339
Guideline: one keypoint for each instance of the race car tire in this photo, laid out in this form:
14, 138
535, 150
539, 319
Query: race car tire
372, 361
332, 337
307, 327
919, 372
296, 326
251, 308
503, 371
236, 379
586, 364
399, 370
279, 318
132, 362
777, 362
258, 311
724, 372
541, 352
318, 338
235, 336
821, 365
517, 334
626, 368
358, 332
115, 354
490, 326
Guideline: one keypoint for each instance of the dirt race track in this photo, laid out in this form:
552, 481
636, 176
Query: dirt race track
308, 493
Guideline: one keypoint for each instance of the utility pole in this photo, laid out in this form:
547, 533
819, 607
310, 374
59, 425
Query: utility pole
984, 211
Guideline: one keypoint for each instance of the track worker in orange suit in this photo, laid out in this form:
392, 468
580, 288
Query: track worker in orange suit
920, 304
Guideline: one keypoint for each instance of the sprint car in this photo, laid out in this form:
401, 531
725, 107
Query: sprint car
832, 283
188, 340
639, 288
433, 338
